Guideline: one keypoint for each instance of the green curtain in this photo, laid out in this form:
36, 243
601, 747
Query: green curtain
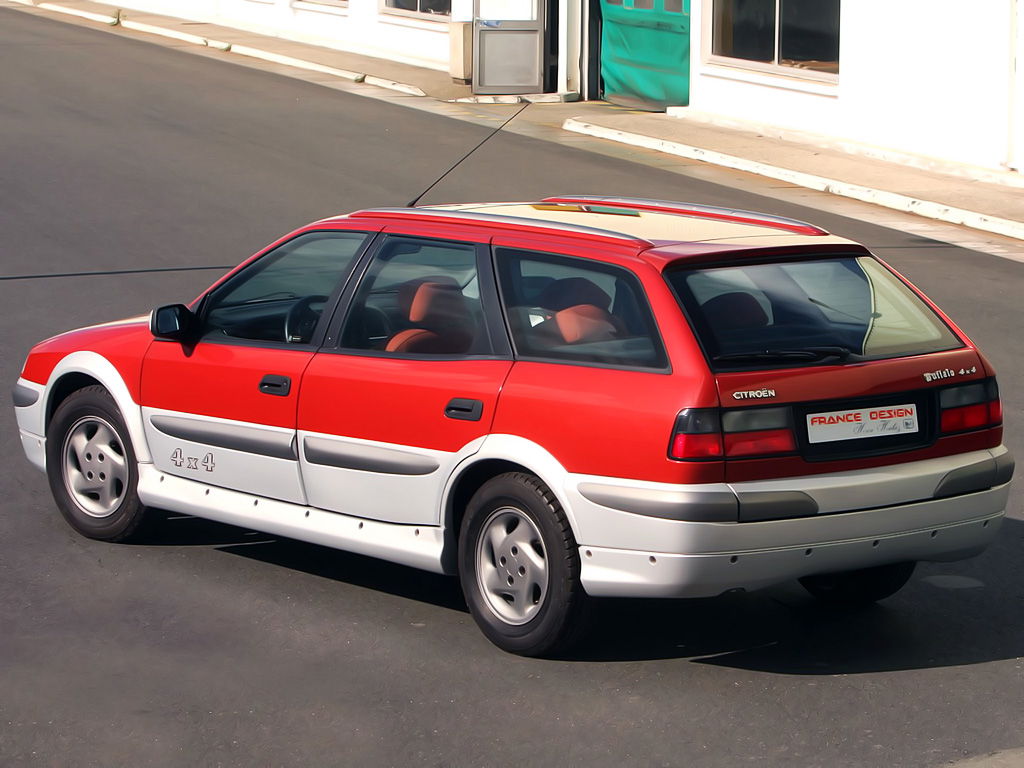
645, 53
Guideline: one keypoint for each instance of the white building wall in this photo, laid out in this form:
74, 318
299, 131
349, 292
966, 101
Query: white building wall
925, 77
359, 27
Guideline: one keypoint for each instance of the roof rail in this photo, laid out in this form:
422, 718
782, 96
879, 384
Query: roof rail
693, 209
515, 223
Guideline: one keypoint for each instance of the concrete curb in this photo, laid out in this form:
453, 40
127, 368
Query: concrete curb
220, 45
102, 18
288, 61
926, 208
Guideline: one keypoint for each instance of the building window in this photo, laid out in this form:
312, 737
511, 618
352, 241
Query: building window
794, 34
419, 7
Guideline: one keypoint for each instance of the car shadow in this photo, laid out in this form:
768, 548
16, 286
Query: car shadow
950, 614
175, 530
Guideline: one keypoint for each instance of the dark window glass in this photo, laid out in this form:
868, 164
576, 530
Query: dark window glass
744, 29
809, 35
791, 33
281, 296
433, 7
419, 297
849, 308
569, 309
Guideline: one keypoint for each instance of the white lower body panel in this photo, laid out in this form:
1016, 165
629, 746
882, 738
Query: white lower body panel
724, 557
416, 546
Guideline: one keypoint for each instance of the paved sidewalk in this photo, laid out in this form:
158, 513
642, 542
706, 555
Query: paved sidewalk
995, 204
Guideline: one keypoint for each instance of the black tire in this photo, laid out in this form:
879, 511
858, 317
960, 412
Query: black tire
111, 511
545, 618
861, 587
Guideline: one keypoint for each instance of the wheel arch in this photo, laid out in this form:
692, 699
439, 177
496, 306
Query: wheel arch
84, 369
499, 454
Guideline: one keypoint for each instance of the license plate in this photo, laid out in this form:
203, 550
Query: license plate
857, 423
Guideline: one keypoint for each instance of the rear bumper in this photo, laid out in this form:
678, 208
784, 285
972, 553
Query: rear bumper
639, 554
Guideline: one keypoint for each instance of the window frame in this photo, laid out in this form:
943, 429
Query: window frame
257, 264
597, 266
501, 348
747, 65
441, 18
322, 6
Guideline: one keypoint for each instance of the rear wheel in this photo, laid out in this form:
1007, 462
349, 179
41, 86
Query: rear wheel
867, 585
519, 567
92, 469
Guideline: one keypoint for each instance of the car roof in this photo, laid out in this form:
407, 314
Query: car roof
642, 223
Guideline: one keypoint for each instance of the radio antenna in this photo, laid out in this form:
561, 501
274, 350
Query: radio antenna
412, 203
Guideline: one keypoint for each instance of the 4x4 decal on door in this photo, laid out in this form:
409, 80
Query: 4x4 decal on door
179, 459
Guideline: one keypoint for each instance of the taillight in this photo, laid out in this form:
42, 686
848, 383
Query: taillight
970, 406
696, 435
758, 432
707, 433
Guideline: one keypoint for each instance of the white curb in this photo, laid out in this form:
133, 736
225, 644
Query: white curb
151, 29
243, 50
393, 85
100, 17
892, 200
288, 61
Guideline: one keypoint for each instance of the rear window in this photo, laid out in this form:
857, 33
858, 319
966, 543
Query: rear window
803, 312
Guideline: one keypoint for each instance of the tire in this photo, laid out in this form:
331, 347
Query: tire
92, 469
519, 566
867, 585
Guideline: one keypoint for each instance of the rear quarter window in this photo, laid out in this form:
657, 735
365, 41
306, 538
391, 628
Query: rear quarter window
572, 310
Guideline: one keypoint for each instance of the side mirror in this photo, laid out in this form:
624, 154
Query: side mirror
173, 322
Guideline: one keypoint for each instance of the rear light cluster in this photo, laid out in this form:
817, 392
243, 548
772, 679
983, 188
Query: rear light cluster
970, 406
708, 433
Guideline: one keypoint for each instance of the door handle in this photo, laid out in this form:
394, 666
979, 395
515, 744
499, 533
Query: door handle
464, 409
272, 384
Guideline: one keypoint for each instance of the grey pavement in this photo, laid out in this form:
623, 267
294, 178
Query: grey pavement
986, 201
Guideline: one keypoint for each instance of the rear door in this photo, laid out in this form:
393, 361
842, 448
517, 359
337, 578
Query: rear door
409, 388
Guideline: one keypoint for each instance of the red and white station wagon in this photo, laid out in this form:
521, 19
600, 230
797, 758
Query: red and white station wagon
575, 397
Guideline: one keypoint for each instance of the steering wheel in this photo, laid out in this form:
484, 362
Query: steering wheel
300, 321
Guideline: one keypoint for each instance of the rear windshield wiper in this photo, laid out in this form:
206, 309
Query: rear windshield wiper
803, 353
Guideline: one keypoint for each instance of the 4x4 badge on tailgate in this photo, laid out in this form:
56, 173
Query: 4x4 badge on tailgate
753, 394
948, 373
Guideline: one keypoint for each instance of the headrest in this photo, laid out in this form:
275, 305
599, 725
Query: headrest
571, 292
439, 307
434, 302
584, 323
730, 311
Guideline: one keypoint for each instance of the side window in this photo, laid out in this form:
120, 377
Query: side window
281, 296
570, 309
419, 297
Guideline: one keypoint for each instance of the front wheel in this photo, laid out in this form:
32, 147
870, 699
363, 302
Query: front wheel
92, 469
867, 585
519, 567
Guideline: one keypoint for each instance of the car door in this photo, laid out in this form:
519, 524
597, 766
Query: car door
221, 408
410, 389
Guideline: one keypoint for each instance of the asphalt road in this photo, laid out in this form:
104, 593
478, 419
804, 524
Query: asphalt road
215, 645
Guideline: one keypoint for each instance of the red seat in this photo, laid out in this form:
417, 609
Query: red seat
441, 321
